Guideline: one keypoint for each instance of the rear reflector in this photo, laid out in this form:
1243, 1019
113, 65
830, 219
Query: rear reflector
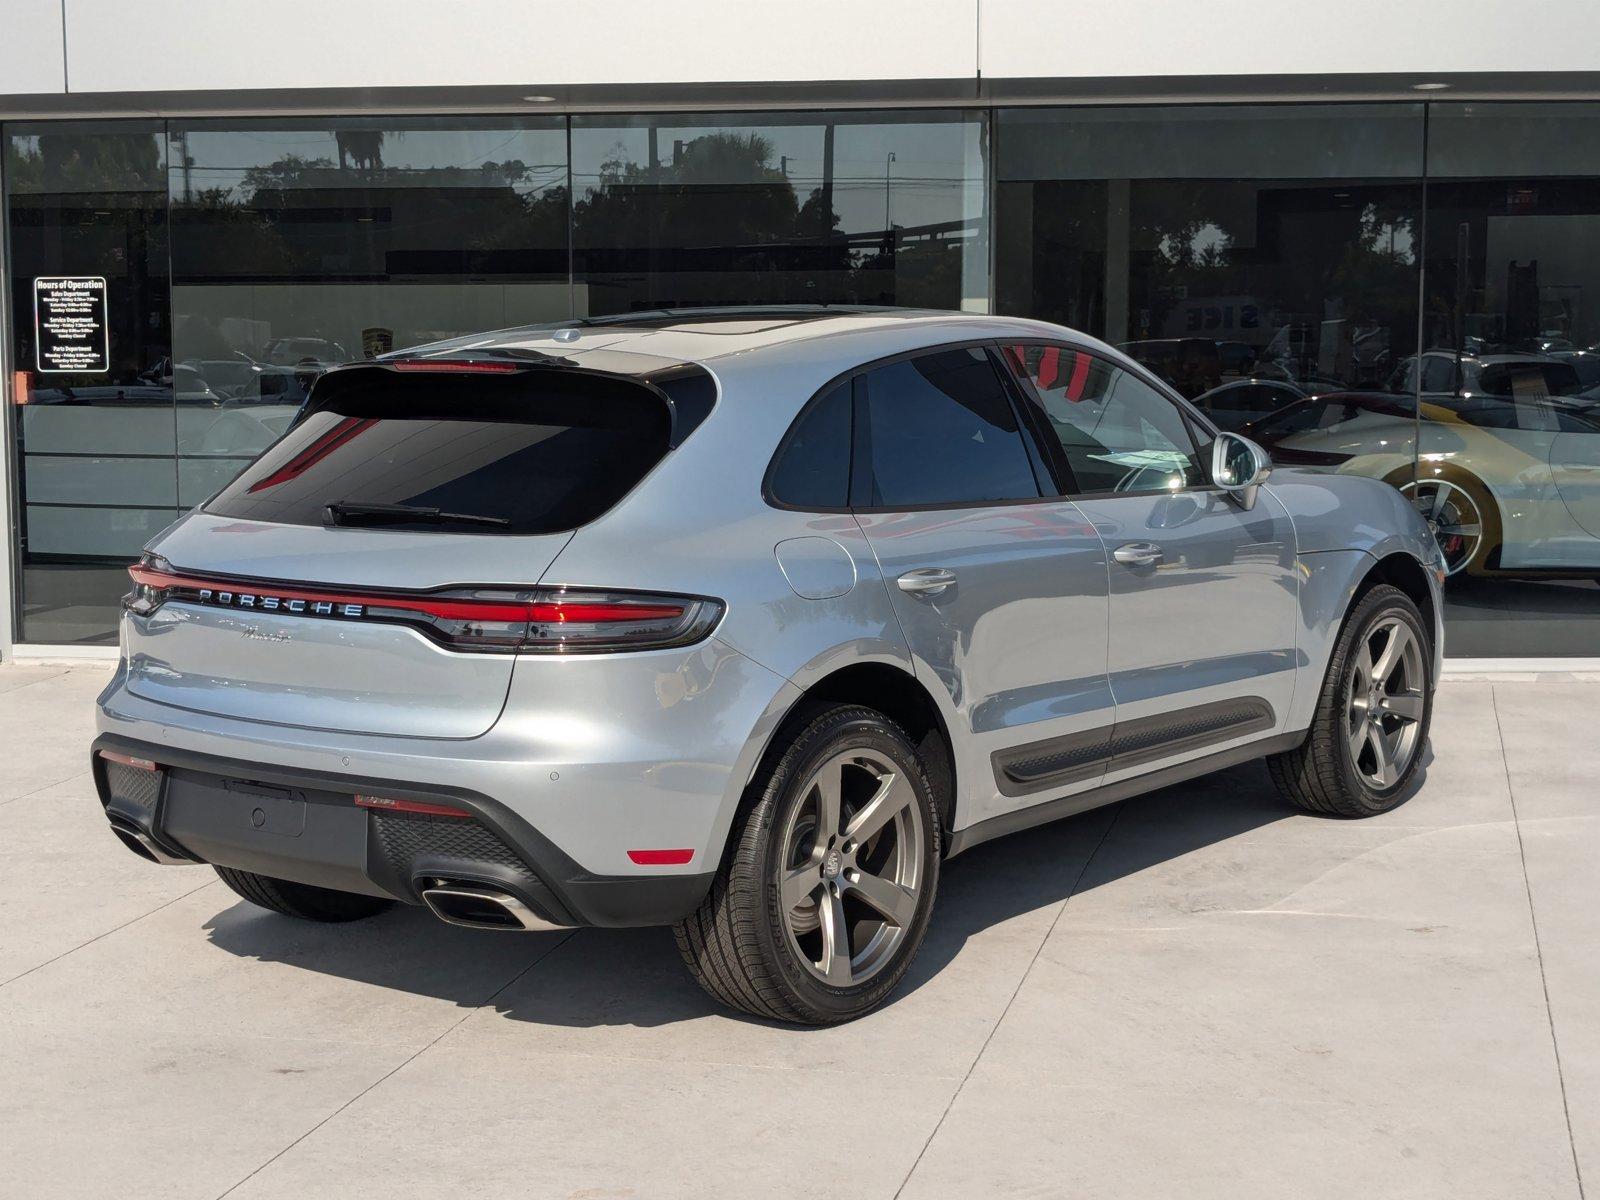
390, 804
660, 858
127, 760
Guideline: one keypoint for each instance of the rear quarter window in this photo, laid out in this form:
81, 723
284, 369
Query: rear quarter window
539, 451
812, 467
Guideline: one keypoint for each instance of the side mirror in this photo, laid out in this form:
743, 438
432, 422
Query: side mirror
1239, 467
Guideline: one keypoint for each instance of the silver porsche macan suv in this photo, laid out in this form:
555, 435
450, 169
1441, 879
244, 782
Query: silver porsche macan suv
744, 621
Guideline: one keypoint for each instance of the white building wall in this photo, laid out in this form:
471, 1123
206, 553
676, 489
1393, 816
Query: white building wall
239, 45
229, 44
1097, 39
31, 58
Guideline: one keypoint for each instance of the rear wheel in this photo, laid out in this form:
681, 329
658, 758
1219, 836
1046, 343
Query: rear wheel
825, 893
1462, 516
301, 899
1365, 744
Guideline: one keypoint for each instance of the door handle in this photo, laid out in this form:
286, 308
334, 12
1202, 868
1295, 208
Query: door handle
926, 580
1138, 554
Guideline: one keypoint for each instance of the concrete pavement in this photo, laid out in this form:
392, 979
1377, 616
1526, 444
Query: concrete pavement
1196, 993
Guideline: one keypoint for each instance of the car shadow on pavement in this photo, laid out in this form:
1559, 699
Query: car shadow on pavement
604, 977
1040, 868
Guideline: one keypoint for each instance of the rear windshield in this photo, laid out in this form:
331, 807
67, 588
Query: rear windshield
535, 452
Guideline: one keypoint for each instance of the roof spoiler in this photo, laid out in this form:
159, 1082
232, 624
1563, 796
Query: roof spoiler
686, 389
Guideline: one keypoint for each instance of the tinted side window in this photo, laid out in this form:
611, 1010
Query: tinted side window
812, 469
1231, 405
1438, 374
941, 431
1117, 432
1296, 418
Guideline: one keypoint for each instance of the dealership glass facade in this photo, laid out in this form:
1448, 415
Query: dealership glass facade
1394, 290
1511, 321
778, 209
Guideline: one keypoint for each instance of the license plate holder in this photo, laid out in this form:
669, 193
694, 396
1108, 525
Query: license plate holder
270, 810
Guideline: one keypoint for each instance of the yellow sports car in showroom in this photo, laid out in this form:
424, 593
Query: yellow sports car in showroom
1507, 476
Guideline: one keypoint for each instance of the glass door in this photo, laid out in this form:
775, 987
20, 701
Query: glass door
91, 394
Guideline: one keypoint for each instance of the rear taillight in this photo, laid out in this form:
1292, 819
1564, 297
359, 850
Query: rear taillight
491, 620
616, 621
459, 366
149, 589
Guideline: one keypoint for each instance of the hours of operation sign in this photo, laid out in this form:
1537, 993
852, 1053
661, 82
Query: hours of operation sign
69, 317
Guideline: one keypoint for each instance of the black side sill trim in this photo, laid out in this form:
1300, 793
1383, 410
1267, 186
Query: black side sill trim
1069, 806
1054, 762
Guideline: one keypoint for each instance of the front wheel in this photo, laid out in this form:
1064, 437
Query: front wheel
824, 895
1365, 744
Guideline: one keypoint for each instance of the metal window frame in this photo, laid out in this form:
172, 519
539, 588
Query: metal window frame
10, 503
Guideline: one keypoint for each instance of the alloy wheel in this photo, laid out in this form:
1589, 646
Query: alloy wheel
853, 867
1385, 703
1452, 515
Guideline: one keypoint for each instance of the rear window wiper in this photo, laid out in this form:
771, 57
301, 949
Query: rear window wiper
342, 512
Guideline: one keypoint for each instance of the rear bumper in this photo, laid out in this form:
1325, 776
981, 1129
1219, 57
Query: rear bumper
601, 754
304, 825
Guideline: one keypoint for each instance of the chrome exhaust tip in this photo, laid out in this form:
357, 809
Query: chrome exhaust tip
145, 846
477, 907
